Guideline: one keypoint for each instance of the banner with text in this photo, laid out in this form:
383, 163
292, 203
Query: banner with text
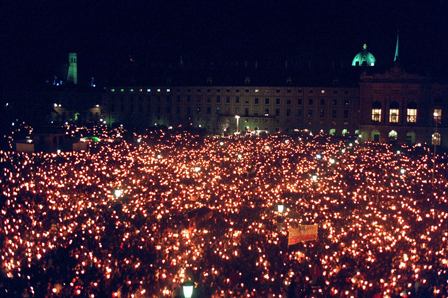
302, 233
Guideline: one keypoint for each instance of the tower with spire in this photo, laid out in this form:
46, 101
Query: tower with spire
72, 75
396, 48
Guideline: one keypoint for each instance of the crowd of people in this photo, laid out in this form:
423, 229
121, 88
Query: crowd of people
139, 218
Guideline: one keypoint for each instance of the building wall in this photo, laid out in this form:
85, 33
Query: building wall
415, 99
214, 107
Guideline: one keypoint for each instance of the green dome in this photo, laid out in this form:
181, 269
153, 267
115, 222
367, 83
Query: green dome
364, 58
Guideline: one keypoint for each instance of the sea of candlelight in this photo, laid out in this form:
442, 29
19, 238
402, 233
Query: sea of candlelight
114, 221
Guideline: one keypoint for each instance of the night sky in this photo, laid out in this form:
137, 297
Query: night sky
39, 34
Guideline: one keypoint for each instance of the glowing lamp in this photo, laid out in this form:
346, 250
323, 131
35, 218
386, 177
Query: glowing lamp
197, 169
314, 177
118, 193
318, 156
332, 161
159, 156
187, 288
402, 171
280, 208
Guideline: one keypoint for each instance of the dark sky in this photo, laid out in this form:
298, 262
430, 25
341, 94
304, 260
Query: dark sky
38, 34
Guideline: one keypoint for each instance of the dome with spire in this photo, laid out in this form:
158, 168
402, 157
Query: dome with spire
364, 58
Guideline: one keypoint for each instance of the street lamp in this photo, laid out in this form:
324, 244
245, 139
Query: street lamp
237, 123
280, 208
434, 140
187, 288
118, 193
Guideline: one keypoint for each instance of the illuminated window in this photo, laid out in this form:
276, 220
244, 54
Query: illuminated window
376, 111
436, 139
437, 118
394, 112
393, 115
412, 115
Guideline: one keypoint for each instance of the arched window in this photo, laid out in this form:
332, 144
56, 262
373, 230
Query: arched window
410, 138
375, 136
376, 111
394, 112
436, 139
393, 136
411, 112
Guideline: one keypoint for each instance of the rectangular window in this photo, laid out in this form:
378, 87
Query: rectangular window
288, 112
299, 101
277, 112
237, 111
411, 115
345, 114
246, 111
334, 113
209, 110
310, 113
228, 99
376, 115
346, 102
218, 99
277, 101
335, 102
310, 101
177, 109
322, 102
393, 115
299, 113
288, 102
256, 100
266, 101
266, 112
322, 113
237, 99
218, 110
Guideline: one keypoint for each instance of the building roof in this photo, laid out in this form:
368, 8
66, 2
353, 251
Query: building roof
364, 58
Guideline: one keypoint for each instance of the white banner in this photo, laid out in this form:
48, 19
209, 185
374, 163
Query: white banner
302, 233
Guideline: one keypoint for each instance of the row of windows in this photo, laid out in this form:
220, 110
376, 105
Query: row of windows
148, 90
411, 115
256, 100
436, 138
227, 111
